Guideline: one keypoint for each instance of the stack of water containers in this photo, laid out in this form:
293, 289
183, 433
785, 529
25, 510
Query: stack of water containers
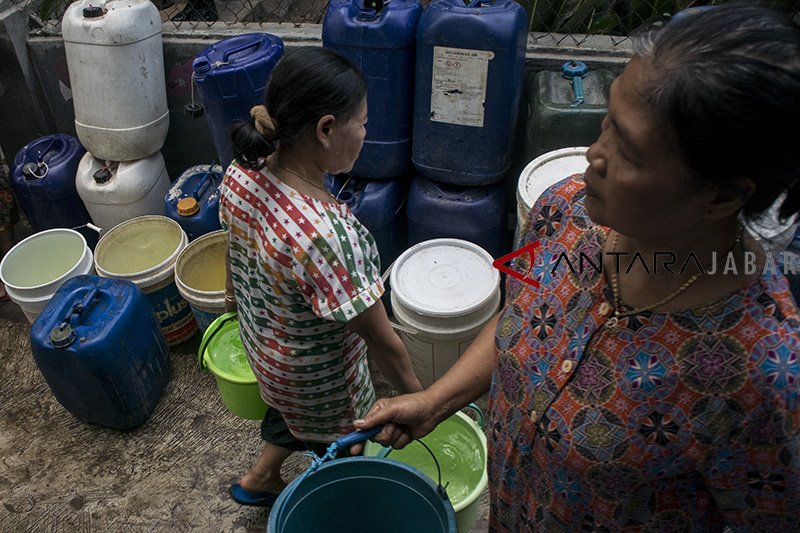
116, 67
379, 39
469, 70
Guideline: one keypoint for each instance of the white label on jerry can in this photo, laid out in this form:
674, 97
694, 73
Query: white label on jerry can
458, 92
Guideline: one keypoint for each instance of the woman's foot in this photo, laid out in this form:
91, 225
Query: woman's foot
3, 294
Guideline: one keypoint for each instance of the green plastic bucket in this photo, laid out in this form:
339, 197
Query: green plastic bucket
222, 353
459, 444
362, 495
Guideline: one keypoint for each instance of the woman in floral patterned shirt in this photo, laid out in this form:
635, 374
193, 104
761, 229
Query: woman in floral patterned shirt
302, 271
632, 397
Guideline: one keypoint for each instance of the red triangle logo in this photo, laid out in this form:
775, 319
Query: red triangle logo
499, 263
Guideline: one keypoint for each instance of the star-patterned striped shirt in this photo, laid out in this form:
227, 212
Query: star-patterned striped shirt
301, 269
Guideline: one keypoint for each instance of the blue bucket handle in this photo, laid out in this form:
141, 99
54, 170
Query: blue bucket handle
209, 334
479, 3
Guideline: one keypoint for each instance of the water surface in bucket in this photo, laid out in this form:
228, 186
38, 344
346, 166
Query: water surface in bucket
227, 353
206, 270
459, 455
137, 248
43, 260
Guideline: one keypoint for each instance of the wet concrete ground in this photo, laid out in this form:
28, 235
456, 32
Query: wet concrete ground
171, 474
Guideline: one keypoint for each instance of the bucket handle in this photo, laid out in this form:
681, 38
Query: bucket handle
395, 325
207, 336
441, 489
478, 412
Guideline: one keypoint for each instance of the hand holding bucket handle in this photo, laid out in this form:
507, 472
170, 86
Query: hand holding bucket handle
357, 436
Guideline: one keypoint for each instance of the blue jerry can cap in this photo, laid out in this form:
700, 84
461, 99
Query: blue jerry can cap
62, 335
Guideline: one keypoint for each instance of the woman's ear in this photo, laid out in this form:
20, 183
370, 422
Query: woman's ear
324, 128
730, 197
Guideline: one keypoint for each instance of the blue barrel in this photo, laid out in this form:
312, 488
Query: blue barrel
43, 181
475, 214
193, 200
100, 350
470, 65
378, 38
378, 204
231, 76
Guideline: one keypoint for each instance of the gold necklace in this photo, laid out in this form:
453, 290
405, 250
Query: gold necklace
293, 173
613, 322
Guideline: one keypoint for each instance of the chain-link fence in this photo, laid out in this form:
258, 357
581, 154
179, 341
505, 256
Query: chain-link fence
552, 20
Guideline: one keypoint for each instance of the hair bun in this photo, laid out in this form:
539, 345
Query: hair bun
265, 124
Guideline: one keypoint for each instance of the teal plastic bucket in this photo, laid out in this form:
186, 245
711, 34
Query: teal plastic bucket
362, 495
459, 444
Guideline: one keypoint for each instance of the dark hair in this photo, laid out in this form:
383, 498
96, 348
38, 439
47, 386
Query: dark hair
727, 83
306, 84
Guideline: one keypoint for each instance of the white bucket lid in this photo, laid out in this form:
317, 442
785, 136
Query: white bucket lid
546, 170
444, 278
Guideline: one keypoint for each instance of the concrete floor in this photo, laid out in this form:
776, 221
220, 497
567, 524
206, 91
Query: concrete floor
171, 474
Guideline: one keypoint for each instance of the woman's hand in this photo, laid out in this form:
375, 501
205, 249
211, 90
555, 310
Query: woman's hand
404, 419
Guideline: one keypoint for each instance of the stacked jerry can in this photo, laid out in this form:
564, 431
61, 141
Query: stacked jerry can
470, 60
116, 68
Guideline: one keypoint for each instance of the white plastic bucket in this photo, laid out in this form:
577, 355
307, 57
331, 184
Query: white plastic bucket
544, 171
34, 269
200, 276
143, 250
114, 192
446, 290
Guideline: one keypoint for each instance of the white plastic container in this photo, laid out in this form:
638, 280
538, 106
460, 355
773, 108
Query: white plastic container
116, 72
34, 269
446, 290
200, 276
544, 171
143, 250
114, 192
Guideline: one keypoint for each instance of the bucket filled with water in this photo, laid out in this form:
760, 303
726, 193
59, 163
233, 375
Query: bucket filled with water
200, 276
34, 269
443, 293
221, 352
144, 250
362, 495
459, 445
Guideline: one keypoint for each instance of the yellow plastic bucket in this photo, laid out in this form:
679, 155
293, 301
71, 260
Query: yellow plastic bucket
221, 352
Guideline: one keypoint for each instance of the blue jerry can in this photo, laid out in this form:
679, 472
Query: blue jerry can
101, 352
43, 181
231, 76
378, 37
193, 200
470, 66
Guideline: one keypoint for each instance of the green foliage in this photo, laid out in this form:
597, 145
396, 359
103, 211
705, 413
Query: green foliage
53, 9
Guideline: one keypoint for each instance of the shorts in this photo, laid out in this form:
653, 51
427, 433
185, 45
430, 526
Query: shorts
275, 431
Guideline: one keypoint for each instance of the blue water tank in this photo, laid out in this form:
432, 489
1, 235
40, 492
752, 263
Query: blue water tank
378, 204
470, 66
231, 76
476, 214
101, 352
378, 37
193, 200
43, 181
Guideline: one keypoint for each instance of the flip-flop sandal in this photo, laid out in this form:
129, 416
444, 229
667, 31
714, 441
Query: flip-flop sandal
247, 497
